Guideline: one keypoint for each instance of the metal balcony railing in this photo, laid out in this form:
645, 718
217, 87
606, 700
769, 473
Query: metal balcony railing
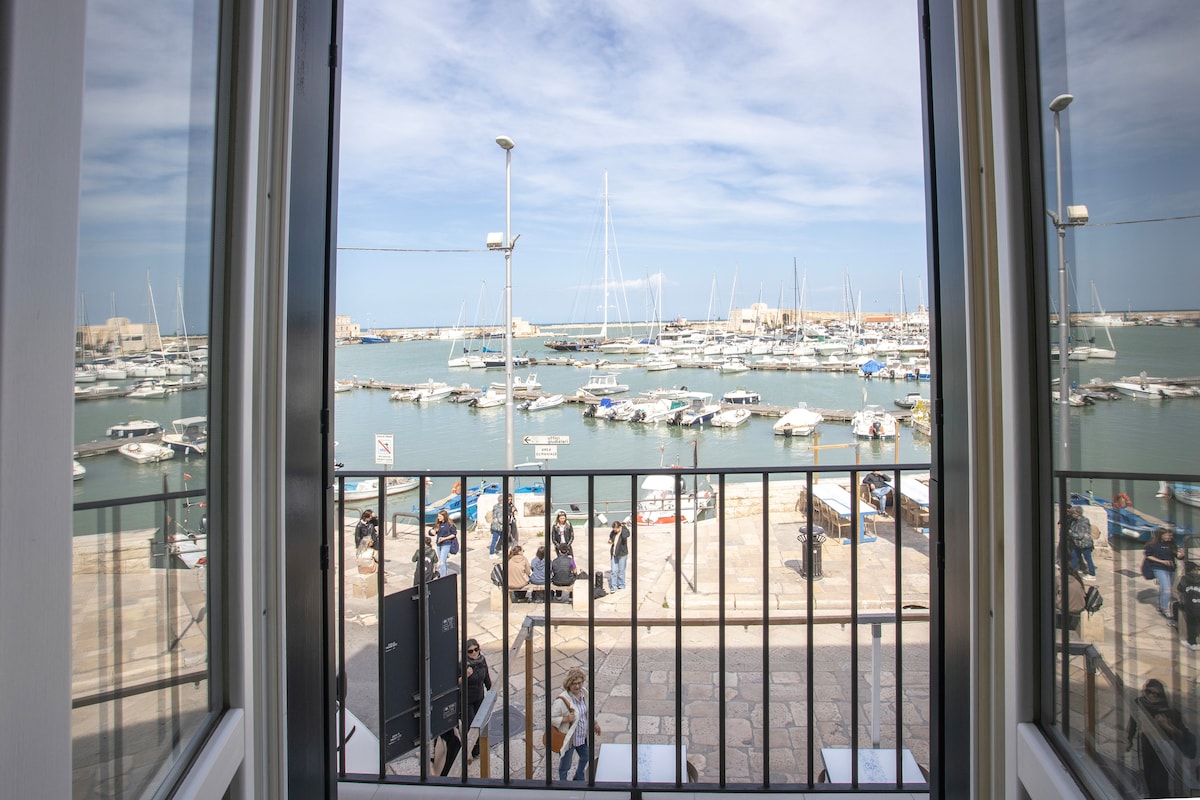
773, 633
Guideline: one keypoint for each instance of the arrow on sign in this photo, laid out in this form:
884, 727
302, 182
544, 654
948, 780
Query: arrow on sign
551, 439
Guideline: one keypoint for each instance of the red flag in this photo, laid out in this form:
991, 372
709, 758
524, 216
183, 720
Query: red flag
187, 477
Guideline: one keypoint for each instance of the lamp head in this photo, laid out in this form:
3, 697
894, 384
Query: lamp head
1061, 102
1077, 215
495, 241
505, 142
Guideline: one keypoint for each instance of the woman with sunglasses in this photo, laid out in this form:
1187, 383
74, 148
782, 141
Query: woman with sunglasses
1153, 709
479, 680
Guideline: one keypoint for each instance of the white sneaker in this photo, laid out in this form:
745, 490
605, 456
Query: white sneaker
1089, 578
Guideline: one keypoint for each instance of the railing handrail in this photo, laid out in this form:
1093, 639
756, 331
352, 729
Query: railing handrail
625, 472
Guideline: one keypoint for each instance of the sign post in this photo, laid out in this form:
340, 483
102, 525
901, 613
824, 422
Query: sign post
384, 452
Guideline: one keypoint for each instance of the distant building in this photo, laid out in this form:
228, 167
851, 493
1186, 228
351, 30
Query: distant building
344, 328
119, 336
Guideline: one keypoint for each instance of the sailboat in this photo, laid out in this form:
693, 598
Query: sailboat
623, 344
454, 337
1092, 350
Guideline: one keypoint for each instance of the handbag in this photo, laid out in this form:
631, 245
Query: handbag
1147, 571
454, 546
557, 737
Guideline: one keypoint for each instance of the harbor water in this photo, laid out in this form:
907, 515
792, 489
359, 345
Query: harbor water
1122, 435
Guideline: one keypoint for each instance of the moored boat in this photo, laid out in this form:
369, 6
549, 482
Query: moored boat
77, 470
543, 403
133, 428
730, 418
909, 400
368, 488
873, 422
601, 384
657, 506
188, 436
741, 396
800, 421
146, 452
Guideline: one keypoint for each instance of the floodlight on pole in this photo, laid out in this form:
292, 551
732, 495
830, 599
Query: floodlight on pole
507, 145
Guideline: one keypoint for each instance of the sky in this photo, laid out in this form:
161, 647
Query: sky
739, 140
754, 151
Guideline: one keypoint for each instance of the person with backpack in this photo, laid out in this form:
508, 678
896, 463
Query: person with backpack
426, 559
1188, 592
1079, 533
446, 536
500, 511
618, 548
562, 532
562, 570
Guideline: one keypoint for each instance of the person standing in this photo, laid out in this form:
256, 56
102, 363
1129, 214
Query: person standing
446, 536
1153, 703
1159, 565
500, 513
618, 549
562, 533
366, 532
1079, 537
479, 680
426, 559
570, 716
1189, 601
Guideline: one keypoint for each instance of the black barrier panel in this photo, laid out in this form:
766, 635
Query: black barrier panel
402, 665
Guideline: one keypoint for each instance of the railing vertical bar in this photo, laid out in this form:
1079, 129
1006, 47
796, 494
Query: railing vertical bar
381, 615
633, 639
171, 627
679, 618
422, 643
104, 639
1064, 605
547, 649
118, 659
593, 746
766, 551
506, 621
809, 545
898, 664
464, 522
341, 625
722, 714
856, 533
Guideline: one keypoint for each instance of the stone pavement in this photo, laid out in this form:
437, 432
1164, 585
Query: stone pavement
750, 553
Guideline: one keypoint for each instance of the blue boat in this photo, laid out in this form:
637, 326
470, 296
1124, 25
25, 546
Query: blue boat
1128, 522
452, 503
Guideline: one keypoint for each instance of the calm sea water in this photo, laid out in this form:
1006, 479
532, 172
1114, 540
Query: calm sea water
1125, 435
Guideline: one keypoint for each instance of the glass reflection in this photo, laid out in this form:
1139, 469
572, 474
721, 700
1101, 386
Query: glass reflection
1126, 704
140, 568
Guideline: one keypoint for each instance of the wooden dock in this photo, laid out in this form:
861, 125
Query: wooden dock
102, 446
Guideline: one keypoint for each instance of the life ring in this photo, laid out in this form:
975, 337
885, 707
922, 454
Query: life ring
1122, 501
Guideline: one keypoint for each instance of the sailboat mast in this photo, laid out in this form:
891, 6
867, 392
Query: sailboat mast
604, 326
154, 312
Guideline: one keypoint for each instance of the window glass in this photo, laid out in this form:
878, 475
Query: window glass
1125, 699
141, 574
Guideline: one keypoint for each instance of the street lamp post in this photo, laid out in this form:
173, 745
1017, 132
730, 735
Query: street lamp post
1076, 215
507, 144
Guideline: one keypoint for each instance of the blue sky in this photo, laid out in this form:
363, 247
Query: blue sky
736, 138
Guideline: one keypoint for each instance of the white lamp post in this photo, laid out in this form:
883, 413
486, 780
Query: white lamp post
507, 144
1076, 215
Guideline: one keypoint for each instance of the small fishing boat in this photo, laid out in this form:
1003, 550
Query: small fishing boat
730, 418
489, 399
403, 394
1186, 493
431, 390
452, 503
543, 403
733, 364
700, 410
133, 428
368, 488
343, 386
873, 422
148, 390
77, 470
800, 421
909, 400
659, 364
657, 410
1125, 521
657, 505
146, 452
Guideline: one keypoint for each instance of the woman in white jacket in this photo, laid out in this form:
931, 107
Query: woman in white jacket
570, 716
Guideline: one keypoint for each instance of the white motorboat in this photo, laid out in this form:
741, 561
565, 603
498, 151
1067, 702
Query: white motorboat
657, 506
403, 394
133, 428
730, 418
368, 488
188, 436
873, 423
800, 421
489, 399
657, 410
148, 390
607, 408
108, 372
667, 394
85, 375
343, 386
601, 384
529, 383
543, 403
431, 390
700, 409
1186, 493
734, 364
659, 364
741, 396
909, 400
1178, 391
77, 470
1141, 390
146, 452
